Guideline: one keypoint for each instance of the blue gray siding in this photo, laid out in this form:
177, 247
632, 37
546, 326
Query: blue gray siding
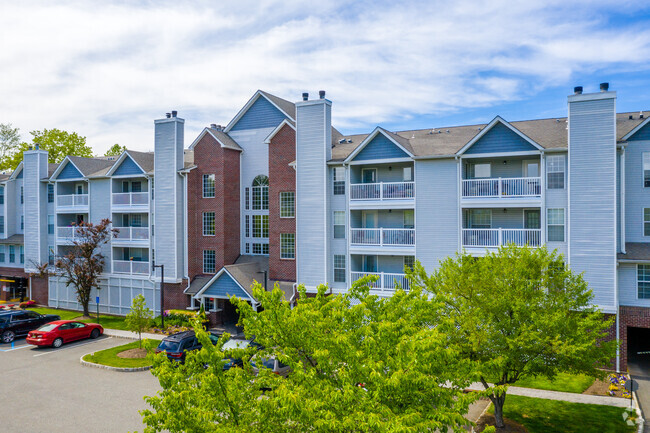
637, 197
592, 201
224, 287
69, 172
642, 134
627, 286
262, 114
380, 147
127, 167
99, 205
500, 139
436, 211
35, 168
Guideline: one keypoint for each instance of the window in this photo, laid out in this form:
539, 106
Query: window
339, 224
22, 195
136, 186
2, 195
50, 193
12, 254
555, 172
287, 246
2, 253
152, 188
480, 218
339, 268
136, 220
646, 169
208, 223
247, 198
125, 186
409, 219
208, 186
260, 248
248, 248
482, 170
287, 209
408, 174
22, 222
643, 281
646, 222
339, 180
247, 225
209, 262
22, 254
555, 225
260, 226
2, 224
368, 175
409, 262
210, 304
261, 193
50, 256
50, 224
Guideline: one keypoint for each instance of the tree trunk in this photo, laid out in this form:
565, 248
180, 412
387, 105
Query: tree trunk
86, 312
498, 402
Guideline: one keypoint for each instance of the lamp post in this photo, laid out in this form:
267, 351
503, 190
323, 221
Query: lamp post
162, 293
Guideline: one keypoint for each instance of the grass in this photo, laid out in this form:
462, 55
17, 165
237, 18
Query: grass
110, 322
65, 314
542, 416
565, 382
109, 357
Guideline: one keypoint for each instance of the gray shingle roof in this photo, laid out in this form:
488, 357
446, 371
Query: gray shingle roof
90, 166
635, 251
225, 139
143, 159
13, 239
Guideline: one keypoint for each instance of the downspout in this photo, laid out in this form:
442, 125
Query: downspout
185, 237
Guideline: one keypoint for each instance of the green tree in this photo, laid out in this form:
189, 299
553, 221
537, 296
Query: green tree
115, 150
359, 363
58, 143
519, 312
139, 318
9, 140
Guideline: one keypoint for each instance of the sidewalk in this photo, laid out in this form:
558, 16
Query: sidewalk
564, 396
118, 333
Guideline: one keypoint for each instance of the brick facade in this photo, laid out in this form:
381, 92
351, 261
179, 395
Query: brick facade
39, 287
211, 158
630, 317
282, 178
174, 296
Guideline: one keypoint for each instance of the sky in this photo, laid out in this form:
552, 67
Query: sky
107, 69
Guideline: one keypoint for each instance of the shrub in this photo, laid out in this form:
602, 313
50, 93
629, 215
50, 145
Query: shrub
27, 304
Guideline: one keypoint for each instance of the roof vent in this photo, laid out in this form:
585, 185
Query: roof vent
631, 117
640, 114
213, 125
447, 131
349, 140
174, 113
343, 140
577, 90
36, 147
305, 96
439, 131
168, 115
557, 120
432, 131
604, 87
321, 94
413, 135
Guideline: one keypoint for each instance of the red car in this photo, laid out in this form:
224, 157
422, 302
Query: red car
63, 331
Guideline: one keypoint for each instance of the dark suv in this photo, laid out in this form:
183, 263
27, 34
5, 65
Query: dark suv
20, 322
177, 345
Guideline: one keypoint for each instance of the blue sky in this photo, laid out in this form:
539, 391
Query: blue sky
106, 69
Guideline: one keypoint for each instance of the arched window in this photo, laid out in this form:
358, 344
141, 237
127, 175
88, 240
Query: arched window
261, 193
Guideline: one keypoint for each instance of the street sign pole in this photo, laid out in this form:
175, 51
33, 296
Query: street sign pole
97, 301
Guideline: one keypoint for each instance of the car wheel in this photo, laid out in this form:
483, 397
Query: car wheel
57, 343
8, 336
94, 333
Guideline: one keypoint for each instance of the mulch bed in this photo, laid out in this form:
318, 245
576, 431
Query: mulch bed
136, 353
511, 426
601, 387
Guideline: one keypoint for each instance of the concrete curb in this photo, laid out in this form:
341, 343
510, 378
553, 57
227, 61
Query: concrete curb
127, 335
107, 367
640, 420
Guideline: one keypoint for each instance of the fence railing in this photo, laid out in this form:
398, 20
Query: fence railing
386, 281
130, 267
71, 233
498, 237
502, 187
382, 191
382, 237
72, 200
130, 198
132, 233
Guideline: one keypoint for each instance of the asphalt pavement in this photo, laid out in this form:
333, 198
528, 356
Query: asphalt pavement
639, 369
47, 390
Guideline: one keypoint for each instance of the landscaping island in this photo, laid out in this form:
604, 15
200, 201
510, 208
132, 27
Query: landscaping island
125, 356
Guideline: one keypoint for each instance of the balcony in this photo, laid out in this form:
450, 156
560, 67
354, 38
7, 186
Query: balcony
130, 267
67, 234
386, 194
134, 236
130, 201
494, 238
392, 240
502, 190
386, 281
72, 203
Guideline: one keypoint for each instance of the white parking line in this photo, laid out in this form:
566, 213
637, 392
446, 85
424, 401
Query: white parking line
19, 347
64, 348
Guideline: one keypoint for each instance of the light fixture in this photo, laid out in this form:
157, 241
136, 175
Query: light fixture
505, 162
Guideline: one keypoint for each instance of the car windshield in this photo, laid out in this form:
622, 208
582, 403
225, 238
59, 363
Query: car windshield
167, 345
4, 320
47, 328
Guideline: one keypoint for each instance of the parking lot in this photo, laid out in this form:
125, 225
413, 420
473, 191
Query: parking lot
48, 390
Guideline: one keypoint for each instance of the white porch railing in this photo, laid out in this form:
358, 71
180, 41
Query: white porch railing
382, 191
68, 233
130, 198
498, 237
502, 187
130, 267
72, 200
132, 233
386, 281
382, 237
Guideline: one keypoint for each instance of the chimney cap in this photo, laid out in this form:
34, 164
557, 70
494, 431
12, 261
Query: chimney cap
577, 90
604, 87
321, 94
174, 113
168, 115
213, 125
305, 96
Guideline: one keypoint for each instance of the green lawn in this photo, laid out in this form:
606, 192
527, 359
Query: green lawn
110, 322
65, 314
563, 382
109, 357
542, 416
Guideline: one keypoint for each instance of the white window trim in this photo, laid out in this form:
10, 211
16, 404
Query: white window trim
643, 168
214, 222
214, 186
563, 223
643, 222
564, 171
294, 204
294, 247
363, 170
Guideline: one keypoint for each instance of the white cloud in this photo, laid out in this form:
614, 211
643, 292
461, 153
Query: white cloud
107, 69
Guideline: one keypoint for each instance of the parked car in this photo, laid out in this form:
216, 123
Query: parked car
272, 364
20, 322
63, 331
177, 345
237, 344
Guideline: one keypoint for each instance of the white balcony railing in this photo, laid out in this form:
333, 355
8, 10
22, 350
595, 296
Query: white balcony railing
130, 199
132, 233
386, 281
382, 237
68, 233
502, 187
382, 191
497, 237
72, 200
130, 267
